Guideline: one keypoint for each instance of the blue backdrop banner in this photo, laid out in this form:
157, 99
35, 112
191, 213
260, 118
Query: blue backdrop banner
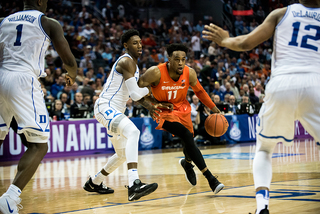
242, 128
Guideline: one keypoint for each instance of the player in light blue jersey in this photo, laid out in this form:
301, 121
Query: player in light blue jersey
293, 91
24, 38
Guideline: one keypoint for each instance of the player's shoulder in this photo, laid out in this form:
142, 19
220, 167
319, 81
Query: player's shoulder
125, 61
278, 14
191, 70
49, 21
125, 64
154, 69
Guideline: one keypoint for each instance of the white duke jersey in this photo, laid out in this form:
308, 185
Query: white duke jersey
23, 43
297, 41
115, 92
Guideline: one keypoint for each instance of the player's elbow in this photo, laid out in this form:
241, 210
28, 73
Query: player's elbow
246, 46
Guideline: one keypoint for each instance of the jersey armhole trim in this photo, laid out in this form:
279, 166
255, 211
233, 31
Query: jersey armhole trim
40, 25
188, 76
2, 21
285, 16
121, 57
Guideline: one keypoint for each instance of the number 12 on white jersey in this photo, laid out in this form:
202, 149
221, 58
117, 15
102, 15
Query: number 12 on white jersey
313, 29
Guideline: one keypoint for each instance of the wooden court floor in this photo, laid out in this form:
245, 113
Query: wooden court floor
57, 185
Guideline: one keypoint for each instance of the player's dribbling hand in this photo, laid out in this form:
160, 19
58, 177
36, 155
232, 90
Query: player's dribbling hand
215, 110
214, 33
69, 80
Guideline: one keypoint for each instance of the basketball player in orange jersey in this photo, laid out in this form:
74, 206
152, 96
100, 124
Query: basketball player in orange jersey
169, 83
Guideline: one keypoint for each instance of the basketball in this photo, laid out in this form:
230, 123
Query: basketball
216, 125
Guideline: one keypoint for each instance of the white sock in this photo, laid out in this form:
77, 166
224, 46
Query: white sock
14, 192
132, 176
262, 198
98, 178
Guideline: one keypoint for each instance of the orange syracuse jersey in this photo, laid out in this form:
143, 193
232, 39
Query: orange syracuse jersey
174, 92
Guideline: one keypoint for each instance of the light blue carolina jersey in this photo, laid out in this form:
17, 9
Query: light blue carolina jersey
115, 91
23, 43
297, 41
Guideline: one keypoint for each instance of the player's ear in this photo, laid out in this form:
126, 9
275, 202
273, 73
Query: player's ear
125, 45
39, 2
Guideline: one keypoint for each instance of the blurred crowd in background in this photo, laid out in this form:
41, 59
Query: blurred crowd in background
235, 81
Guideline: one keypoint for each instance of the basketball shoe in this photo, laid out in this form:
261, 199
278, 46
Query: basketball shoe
190, 174
91, 187
8, 205
264, 211
215, 185
139, 190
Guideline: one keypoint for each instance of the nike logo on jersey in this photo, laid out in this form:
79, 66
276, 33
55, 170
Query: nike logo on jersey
10, 210
166, 82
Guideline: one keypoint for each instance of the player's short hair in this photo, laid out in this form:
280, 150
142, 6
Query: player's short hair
29, 2
128, 34
176, 47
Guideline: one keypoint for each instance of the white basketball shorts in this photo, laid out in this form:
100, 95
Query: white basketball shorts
21, 97
290, 97
108, 116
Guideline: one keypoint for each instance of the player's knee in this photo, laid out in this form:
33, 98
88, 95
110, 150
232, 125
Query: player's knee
131, 131
121, 154
188, 137
135, 132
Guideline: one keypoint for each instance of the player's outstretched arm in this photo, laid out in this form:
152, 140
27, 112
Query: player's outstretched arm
245, 42
54, 30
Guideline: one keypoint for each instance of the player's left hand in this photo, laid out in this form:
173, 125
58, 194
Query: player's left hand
214, 33
215, 110
69, 80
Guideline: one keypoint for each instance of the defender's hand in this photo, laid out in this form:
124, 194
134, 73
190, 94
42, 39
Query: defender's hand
154, 112
216, 34
168, 106
69, 80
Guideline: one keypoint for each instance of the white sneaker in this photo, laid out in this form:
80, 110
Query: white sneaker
8, 205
